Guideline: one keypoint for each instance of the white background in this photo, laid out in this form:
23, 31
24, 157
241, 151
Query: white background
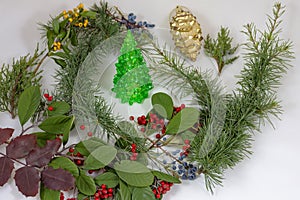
273, 171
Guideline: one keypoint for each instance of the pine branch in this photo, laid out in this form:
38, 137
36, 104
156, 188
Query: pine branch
255, 101
221, 49
14, 78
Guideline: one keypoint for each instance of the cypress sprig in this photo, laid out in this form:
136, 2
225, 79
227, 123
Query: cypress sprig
221, 49
22, 73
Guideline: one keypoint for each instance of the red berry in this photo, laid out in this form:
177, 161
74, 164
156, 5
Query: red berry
182, 106
103, 186
71, 150
158, 136
157, 196
78, 154
82, 127
90, 134
50, 108
46, 95
131, 118
50, 98
79, 162
186, 141
110, 190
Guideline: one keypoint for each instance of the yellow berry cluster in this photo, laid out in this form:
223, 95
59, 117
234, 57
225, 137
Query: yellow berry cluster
56, 46
74, 16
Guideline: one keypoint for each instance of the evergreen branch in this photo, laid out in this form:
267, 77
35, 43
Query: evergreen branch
221, 49
14, 78
267, 59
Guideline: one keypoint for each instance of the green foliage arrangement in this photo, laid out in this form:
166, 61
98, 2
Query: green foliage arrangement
119, 158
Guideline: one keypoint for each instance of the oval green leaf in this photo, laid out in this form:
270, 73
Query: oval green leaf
124, 191
28, 103
142, 193
110, 179
134, 173
47, 194
166, 177
100, 157
87, 146
162, 104
182, 121
85, 184
66, 164
59, 108
55, 25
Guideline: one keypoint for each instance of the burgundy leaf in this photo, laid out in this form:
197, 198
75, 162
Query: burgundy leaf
27, 180
6, 167
57, 179
21, 146
40, 157
5, 134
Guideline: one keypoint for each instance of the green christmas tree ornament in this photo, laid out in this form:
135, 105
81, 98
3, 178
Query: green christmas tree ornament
132, 81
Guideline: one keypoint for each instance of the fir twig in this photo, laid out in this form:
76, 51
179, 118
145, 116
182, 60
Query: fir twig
221, 49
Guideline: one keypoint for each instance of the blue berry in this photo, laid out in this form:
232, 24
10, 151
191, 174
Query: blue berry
179, 172
184, 177
164, 162
174, 167
180, 167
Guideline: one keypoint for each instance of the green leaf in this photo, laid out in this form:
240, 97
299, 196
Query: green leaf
166, 177
187, 135
66, 164
55, 25
73, 38
87, 146
59, 124
42, 138
85, 184
59, 108
134, 173
89, 14
50, 38
100, 157
28, 103
124, 191
163, 104
47, 194
58, 54
142, 193
109, 178
128, 128
60, 62
81, 196
182, 121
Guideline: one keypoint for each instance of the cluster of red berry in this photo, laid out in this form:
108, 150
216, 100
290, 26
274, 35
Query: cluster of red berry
178, 109
142, 120
62, 197
160, 188
134, 153
104, 193
49, 99
78, 161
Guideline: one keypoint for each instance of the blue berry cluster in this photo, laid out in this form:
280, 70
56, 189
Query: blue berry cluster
131, 22
186, 171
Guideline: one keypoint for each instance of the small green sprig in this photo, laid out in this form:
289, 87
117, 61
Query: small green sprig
22, 73
221, 49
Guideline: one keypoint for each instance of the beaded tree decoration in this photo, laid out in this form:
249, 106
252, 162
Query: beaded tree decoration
132, 81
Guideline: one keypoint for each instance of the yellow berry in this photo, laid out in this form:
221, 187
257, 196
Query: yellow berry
80, 24
66, 16
64, 12
76, 15
70, 11
80, 6
71, 20
75, 9
54, 48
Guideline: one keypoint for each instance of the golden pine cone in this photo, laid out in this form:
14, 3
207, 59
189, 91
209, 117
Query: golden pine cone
186, 32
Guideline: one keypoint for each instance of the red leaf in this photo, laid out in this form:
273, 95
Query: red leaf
57, 179
6, 167
40, 157
5, 134
21, 146
27, 180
